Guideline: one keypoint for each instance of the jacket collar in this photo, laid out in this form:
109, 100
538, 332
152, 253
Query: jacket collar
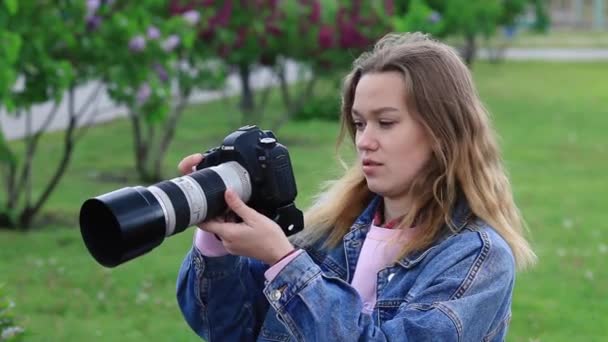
461, 215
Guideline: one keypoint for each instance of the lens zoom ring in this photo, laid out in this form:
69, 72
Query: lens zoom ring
180, 204
214, 188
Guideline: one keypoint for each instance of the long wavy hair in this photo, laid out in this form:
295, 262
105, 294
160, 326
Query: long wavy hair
465, 155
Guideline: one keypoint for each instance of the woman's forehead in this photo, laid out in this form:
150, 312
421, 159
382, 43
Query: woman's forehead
379, 92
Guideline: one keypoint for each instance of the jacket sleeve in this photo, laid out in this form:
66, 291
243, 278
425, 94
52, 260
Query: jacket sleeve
221, 297
460, 301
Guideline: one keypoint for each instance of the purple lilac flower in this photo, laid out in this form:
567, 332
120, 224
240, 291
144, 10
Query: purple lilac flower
137, 43
170, 43
92, 6
161, 72
315, 11
153, 32
326, 37
143, 93
222, 17
434, 17
350, 37
192, 17
93, 22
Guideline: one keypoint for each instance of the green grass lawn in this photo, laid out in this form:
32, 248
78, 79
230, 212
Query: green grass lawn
552, 120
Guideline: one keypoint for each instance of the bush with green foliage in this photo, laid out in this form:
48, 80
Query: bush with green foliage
48, 55
156, 64
470, 19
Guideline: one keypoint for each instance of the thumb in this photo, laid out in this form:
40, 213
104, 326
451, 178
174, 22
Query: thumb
239, 207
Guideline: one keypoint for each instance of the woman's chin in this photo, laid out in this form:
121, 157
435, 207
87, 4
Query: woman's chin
376, 188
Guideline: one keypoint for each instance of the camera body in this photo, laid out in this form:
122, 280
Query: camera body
273, 185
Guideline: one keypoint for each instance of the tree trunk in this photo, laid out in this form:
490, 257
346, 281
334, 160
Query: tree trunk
247, 101
139, 146
292, 104
30, 209
169, 132
470, 49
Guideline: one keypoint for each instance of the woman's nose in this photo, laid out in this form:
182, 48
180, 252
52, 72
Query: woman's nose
366, 139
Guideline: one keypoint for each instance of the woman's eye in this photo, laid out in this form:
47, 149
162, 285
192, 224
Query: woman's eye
386, 124
358, 124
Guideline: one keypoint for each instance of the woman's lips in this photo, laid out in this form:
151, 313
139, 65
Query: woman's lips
370, 166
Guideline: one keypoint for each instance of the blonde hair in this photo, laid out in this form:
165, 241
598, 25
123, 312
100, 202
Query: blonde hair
465, 160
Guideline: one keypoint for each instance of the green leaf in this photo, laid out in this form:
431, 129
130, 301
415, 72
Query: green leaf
6, 155
330, 8
11, 43
12, 6
188, 39
9, 104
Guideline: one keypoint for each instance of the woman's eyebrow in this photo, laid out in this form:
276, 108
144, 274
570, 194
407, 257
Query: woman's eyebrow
376, 111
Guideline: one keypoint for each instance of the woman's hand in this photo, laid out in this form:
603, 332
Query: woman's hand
257, 236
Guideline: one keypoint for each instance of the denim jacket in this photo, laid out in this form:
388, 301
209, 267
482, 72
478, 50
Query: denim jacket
459, 289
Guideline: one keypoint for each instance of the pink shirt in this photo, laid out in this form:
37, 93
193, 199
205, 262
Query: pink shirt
380, 250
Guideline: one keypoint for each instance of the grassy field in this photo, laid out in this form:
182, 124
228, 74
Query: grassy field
552, 119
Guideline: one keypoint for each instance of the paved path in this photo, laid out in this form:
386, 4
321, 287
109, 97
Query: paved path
553, 54
104, 109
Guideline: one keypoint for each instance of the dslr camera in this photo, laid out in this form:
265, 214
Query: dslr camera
123, 224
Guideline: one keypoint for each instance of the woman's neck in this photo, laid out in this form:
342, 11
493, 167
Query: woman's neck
395, 207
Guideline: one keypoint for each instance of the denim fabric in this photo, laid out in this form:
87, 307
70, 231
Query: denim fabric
459, 289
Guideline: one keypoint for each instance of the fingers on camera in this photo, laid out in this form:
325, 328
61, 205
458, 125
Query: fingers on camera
189, 163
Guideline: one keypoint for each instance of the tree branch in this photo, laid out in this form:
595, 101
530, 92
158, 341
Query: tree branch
68, 146
138, 143
170, 130
31, 147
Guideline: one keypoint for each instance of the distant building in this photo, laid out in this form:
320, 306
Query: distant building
579, 14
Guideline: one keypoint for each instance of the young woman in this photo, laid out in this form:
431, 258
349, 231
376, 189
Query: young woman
418, 241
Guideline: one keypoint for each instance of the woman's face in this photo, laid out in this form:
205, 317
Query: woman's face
391, 145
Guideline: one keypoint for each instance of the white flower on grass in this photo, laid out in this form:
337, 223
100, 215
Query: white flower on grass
561, 252
10, 332
568, 224
101, 296
141, 297
603, 248
589, 274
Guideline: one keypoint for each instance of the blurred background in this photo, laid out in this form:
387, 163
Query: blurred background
96, 95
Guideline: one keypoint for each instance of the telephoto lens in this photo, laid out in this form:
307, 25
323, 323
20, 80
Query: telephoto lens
126, 223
